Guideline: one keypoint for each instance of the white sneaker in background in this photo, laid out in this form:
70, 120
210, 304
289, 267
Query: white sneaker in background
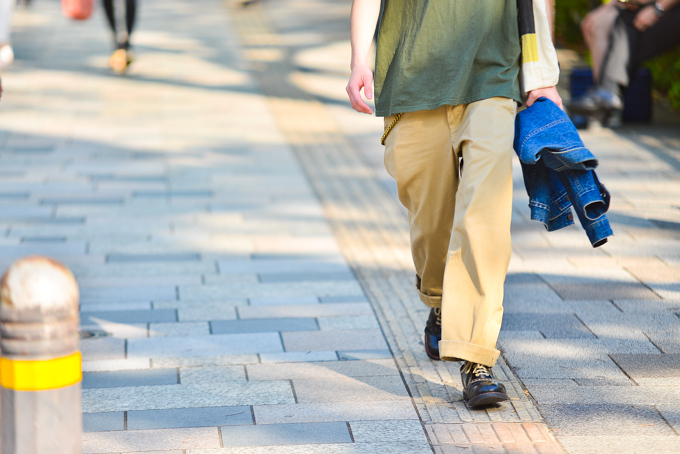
6, 56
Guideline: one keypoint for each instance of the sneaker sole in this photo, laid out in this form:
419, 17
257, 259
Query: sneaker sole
486, 399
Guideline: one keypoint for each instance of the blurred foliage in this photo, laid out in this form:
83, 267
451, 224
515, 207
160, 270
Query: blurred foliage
665, 68
568, 16
666, 73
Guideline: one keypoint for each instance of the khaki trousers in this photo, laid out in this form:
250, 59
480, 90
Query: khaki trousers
459, 221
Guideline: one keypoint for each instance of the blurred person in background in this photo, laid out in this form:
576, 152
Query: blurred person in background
621, 35
121, 58
6, 52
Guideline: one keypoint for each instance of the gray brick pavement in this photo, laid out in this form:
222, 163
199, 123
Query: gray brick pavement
184, 200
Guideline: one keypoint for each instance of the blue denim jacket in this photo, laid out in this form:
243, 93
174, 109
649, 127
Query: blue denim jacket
559, 172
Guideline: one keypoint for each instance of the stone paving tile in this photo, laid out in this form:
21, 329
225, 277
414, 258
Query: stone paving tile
146, 440
387, 431
204, 361
559, 358
343, 389
649, 366
117, 379
530, 298
350, 355
53, 249
113, 306
597, 395
342, 323
622, 290
220, 394
206, 313
589, 276
334, 340
106, 348
177, 257
335, 411
103, 422
305, 277
272, 289
670, 413
601, 382
344, 299
667, 342
640, 321
295, 301
151, 269
189, 417
608, 420
139, 281
318, 265
619, 444
179, 329
116, 364
286, 434
519, 334
338, 448
216, 344
297, 357
159, 315
312, 370
117, 330
227, 303
211, 374
552, 326
263, 325
636, 306
306, 310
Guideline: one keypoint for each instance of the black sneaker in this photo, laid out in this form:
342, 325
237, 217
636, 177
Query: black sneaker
433, 333
479, 385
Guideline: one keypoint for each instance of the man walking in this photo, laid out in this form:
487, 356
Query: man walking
446, 81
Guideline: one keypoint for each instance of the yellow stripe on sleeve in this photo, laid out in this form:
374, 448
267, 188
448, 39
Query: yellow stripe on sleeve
529, 48
41, 375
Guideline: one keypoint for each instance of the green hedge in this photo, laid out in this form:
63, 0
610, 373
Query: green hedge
665, 69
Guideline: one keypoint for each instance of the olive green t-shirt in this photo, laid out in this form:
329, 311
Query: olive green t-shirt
445, 52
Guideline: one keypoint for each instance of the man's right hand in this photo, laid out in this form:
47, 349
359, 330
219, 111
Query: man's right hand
361, 77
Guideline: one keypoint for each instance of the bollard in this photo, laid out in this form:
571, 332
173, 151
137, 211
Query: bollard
40, 367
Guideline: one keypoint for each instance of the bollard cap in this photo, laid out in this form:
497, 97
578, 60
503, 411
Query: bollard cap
38, 286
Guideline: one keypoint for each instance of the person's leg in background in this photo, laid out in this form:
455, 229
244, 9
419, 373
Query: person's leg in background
121, 57
6, 51
597, 28
631, 47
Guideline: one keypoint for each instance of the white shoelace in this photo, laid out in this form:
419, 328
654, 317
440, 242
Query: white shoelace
479, 370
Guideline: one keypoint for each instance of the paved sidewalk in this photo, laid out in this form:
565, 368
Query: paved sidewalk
244, 264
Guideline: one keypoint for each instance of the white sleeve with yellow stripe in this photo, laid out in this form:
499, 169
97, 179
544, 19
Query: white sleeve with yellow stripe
539, 67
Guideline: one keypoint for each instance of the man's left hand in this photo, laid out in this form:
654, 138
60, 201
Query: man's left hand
549, 92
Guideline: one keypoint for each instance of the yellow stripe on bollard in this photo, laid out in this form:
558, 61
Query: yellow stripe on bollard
41, 375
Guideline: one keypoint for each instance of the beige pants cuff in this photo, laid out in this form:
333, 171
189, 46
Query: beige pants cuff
431, 301
457, 350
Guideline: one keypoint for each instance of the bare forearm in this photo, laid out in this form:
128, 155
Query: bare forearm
363, 21
668, 4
